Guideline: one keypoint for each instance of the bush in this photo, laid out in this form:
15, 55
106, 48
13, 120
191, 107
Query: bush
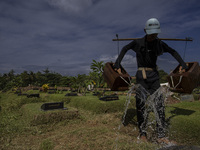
196, 97
45, 87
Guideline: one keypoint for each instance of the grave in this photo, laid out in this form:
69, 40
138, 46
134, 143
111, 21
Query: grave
52, 106
33, 95
52, 91
34, 116
71, 94
187, 97
109, 98
22, 94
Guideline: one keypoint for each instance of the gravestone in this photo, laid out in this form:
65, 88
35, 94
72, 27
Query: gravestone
53, 106
52, 91
109, 98
187, 97
22, 94
33, 95
71, 94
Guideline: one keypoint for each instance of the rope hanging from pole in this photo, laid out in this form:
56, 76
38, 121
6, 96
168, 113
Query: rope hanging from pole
185, 47
117, 46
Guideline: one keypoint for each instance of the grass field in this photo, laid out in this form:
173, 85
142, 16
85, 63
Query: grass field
88, 123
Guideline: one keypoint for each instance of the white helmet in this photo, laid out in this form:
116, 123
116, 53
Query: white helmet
152, 26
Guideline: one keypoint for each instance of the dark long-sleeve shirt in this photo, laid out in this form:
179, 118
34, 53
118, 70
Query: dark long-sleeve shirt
147, 53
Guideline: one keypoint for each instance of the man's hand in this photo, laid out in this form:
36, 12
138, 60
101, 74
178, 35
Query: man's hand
119, 70
181, 70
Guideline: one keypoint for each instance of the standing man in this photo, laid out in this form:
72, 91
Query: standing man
147, 50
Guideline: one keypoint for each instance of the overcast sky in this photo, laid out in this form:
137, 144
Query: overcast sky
66, 35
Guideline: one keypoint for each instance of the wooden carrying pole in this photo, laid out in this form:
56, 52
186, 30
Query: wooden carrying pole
167, 39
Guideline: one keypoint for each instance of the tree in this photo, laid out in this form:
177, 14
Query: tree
8, 81
163, 76
40, 79
97, 68
53, 78
50, 78
25, 78
11, 74
65, 81
82, 83
46, 71
3, 81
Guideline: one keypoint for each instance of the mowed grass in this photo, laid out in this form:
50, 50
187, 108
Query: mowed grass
96, 126
184, 122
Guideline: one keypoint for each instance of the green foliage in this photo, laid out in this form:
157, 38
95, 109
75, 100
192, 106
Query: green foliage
12, 80
163, 76
97, 74
27, 78
45, 87
65, 81
79, 83
196, 97
97, 66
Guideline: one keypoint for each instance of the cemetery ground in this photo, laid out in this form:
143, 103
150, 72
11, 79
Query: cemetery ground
88, 123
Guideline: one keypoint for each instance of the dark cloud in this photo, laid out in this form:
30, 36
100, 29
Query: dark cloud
66, 35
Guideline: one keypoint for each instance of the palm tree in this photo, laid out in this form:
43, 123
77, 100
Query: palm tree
97, 68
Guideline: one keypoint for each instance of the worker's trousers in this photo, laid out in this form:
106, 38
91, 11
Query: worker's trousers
150, 87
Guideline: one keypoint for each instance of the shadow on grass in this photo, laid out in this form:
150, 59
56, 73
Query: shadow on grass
179, 111
131, 113
181, 148
129, 118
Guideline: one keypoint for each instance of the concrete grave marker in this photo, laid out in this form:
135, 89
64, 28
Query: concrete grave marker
53, 106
